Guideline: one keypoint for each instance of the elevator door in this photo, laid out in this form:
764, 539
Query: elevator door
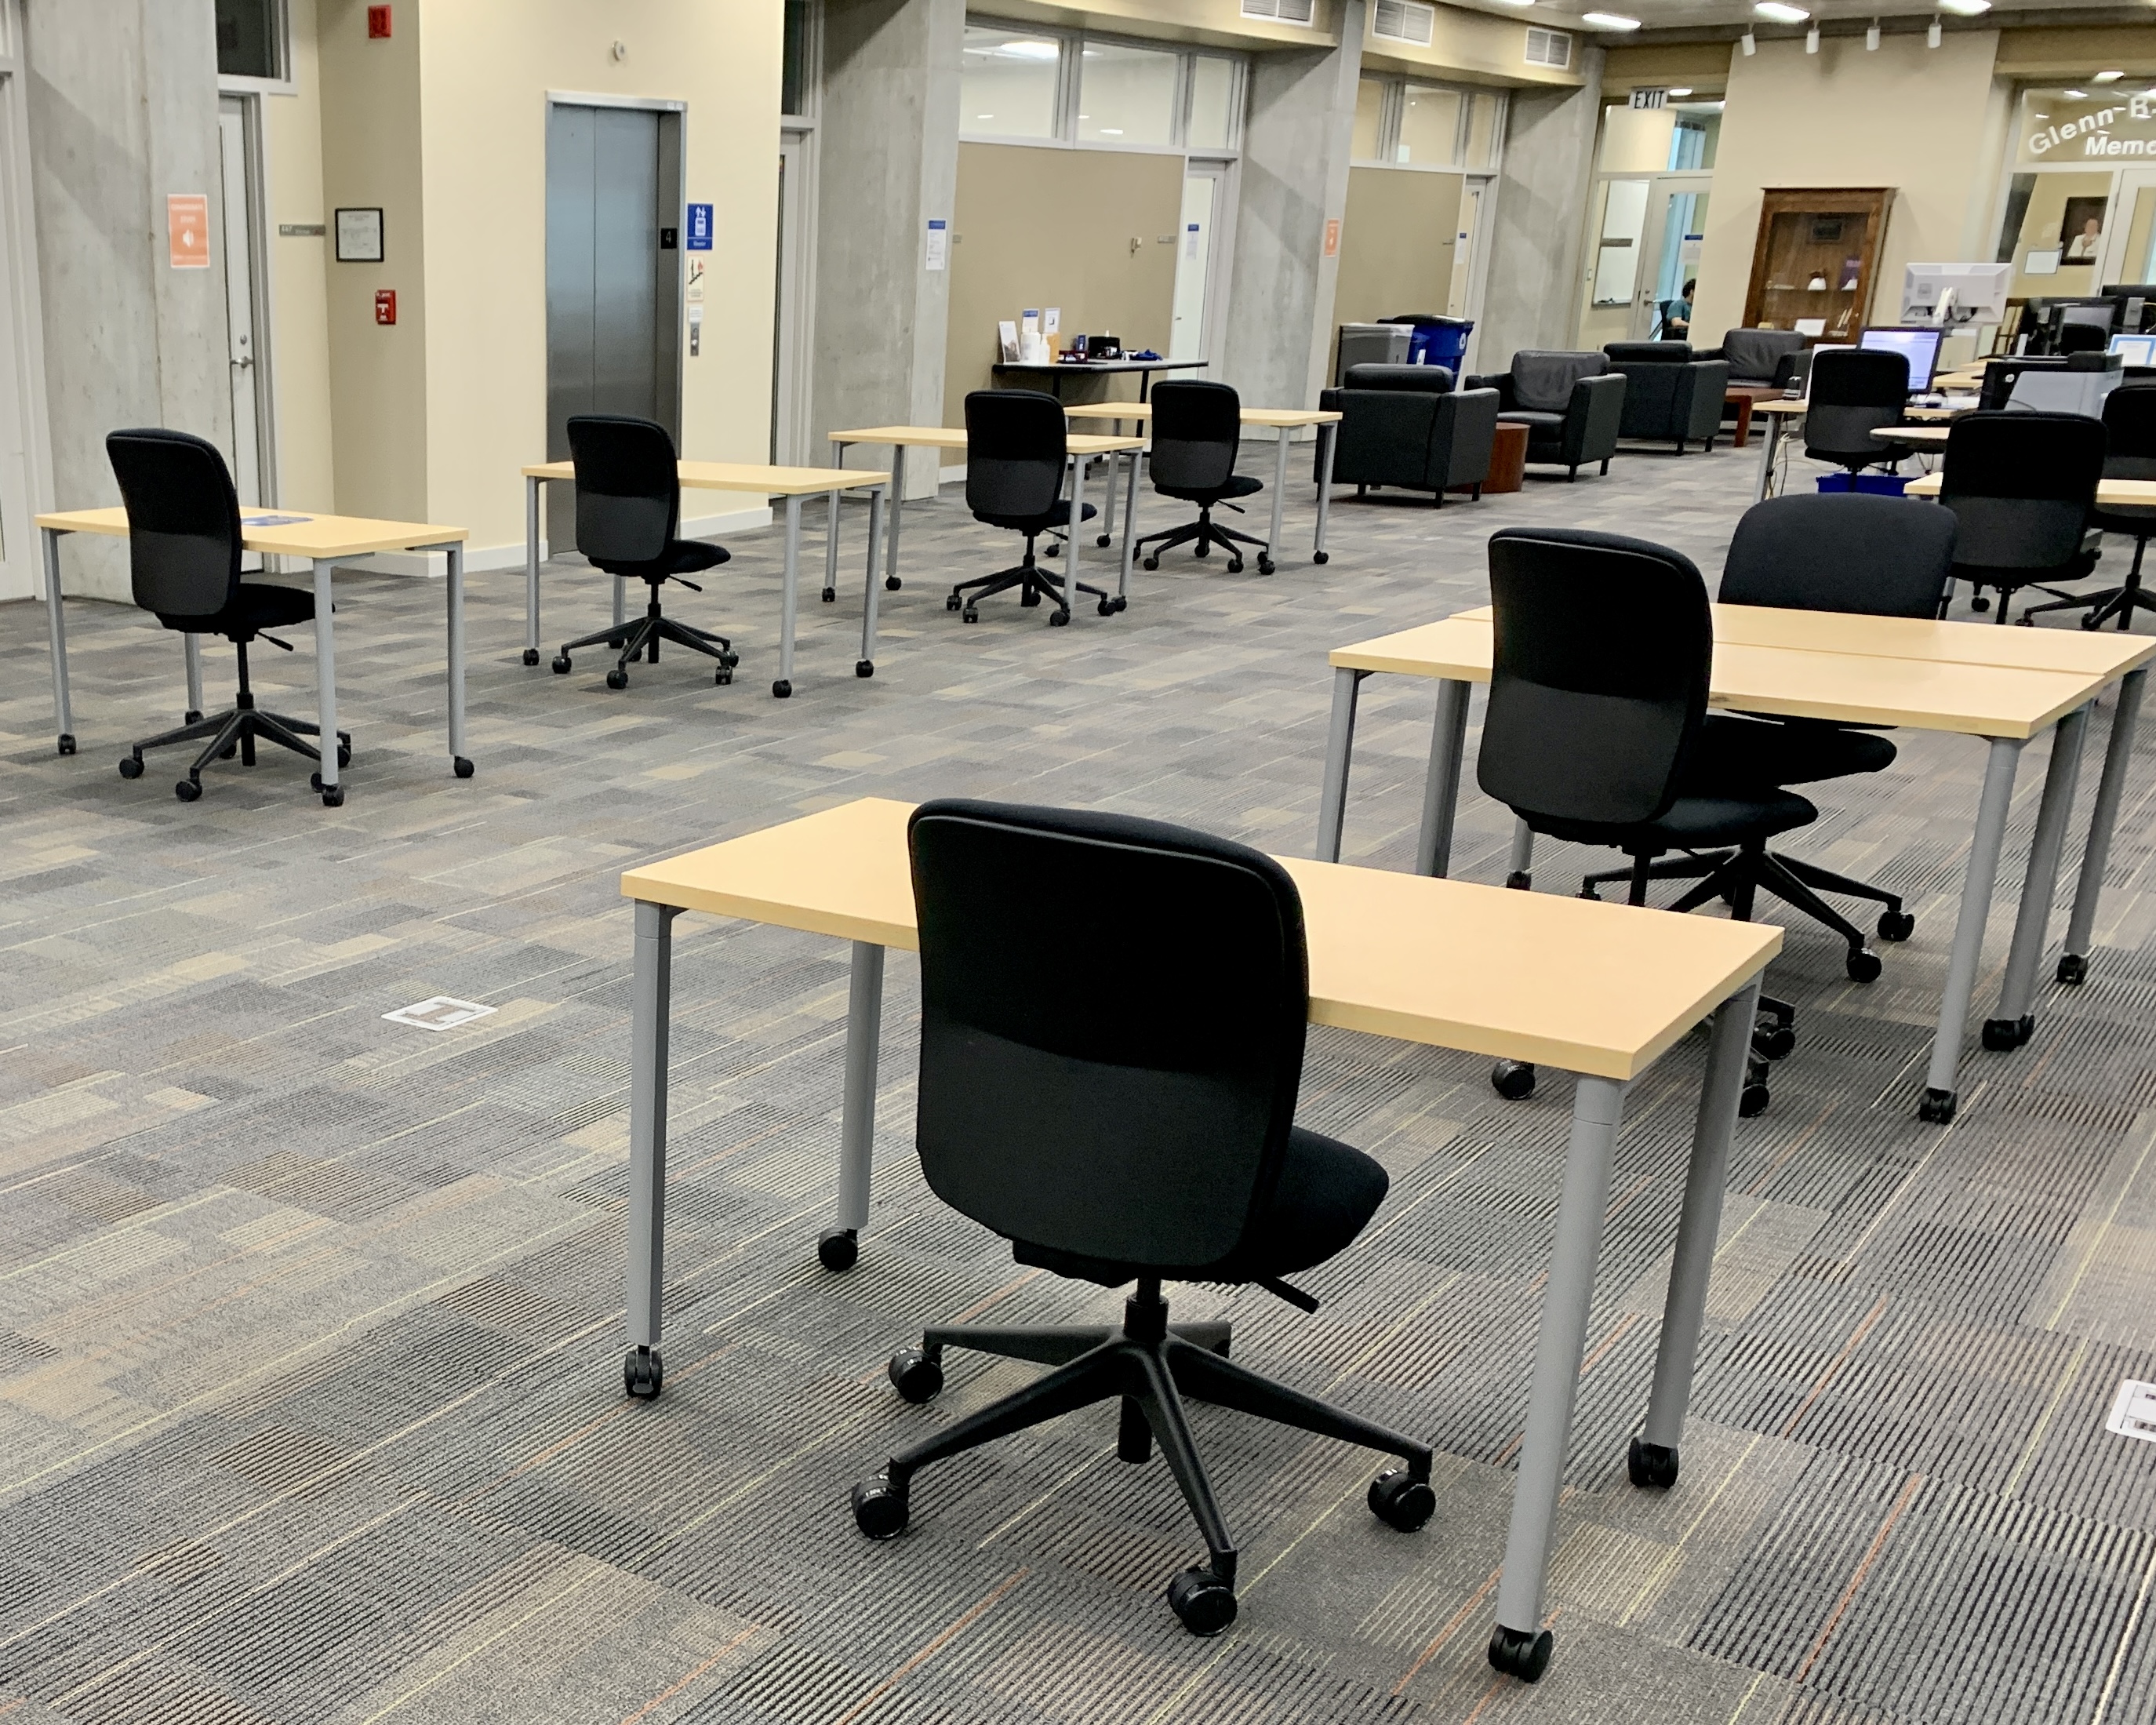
611, 285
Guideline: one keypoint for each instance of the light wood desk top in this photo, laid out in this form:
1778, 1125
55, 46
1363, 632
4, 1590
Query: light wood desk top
308, 536
953, 437
2110, 494
1599, 988
1969, 700
1778, 407
1916, 436
1142, 411
745, 477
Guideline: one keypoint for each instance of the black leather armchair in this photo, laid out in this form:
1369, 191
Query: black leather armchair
1761, 356
1571, 404
1670, 396
1670, 352
1406, 426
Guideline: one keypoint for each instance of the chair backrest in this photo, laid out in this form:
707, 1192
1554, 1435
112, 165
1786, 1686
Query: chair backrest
182, 520
1197, 427
1015, 449
2130, 430
1423, 380
1854, 392
1667, 353
1604, 648
2022, 486
1542, 380
1115, 1078
628, 490
1840, 551
1755, 356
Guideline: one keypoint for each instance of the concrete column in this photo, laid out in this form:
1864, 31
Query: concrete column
1532, 299
887, 143
122, 111
1298, 129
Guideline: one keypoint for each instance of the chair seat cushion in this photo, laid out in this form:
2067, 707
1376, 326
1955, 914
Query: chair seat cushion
1058, 515
1327, 1192
1734, 751
682, 557
1693, 822
257, 606
1538, 424
1238, 485
2134, 523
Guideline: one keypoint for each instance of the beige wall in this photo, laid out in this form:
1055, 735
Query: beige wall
1931, 122
1637, 140
1470, 47
1041, 227
299, 344
1218, 24
1396, 245
2039, 232
1702, 65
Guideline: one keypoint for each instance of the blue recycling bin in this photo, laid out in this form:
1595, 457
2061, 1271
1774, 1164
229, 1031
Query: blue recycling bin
1435, 340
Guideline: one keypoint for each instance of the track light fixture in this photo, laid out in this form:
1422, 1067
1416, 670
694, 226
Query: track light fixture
1871, 38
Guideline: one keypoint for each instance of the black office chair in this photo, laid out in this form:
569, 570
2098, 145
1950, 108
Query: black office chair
1875, 556
183, 559
1015, 453
1112, 1090
1604, 646
1196, 429
1853, 392
629, 506
2022, 486
2129, 430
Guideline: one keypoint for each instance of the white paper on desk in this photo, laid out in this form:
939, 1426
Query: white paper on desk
1007, 339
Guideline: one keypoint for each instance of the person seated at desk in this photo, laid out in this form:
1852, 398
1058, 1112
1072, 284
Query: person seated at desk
1677, 315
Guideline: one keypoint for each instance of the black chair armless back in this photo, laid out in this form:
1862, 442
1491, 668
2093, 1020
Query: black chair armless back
1854, 392
1654, 352
183, 522
2022, 486
1840, 551
1197, 427
628, 491
1604, 647
1015, 450
1116, 1080
2130, 430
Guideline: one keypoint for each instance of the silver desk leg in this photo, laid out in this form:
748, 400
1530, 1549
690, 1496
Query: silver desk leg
783, 684
1130, 530
2032, 921
1327, 435
1768, 439
831, 548
458, 762
1441, 790
1654, 1458
1079, 463
2117, 757
897, 502
1520, 865
56, 632
1598, 1106
1339, 746
1108, 503
864, 667
1266, 558
531, 569
651, 992
326, 683
839, 1246
193, 646
1981, 876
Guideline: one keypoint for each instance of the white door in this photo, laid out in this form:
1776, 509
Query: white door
237, 226
1669, 248
1462, 289
789, 357
1194, 264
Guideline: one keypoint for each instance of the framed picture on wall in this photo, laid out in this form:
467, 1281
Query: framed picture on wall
359, 236
2081, 230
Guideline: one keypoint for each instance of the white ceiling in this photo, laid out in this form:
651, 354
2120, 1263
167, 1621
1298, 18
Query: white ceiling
1718, 17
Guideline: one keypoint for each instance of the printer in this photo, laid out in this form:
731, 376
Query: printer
2067, 383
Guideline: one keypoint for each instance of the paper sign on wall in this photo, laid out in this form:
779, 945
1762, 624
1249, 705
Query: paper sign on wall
1190, 240
939, 244
699, 236
1332, 236
186, 224
1051, 321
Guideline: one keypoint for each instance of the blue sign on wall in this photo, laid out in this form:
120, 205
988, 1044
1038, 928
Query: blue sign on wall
699, 227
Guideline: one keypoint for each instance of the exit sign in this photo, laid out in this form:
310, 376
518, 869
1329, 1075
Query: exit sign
1650, 98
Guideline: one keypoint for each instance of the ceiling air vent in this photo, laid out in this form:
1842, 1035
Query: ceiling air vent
1405, 21
1547, 48
1285, 12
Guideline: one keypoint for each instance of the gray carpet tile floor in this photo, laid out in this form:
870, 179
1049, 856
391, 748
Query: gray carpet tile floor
310, 1321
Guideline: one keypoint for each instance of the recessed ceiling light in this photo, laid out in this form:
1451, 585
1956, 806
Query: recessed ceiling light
1030, 50
1112, 131
1515, 3
1779, 12
1966, 8
2107, 78
2075, 95
1681, 90
1608, 21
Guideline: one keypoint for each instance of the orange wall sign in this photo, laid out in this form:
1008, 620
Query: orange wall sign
187, 226
1332, 236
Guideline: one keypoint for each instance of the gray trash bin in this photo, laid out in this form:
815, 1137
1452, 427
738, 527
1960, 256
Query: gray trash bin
1384, 343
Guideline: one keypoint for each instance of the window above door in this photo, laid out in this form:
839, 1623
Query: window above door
1022, 82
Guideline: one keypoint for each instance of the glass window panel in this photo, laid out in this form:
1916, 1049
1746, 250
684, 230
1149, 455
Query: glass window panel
1212, 103
792, 81
1482, 129
1430, 125
247, 38
1007, 83
1125, 95
1369, 114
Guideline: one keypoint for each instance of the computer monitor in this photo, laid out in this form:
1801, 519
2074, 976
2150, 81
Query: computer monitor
2135, 350
1951, 294
2103, 313
1919, 347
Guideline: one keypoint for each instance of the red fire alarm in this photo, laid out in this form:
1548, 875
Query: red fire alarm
385, 305
377, 24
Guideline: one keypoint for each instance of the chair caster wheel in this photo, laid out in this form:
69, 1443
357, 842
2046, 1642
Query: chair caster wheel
1896, 925
952, 603
2073, 969
865, 667
1863, 965
131, 766
1752, 1101
915, 1376
67, 742
344, 760
1105, 541
231, 749
781, 689
1106, 608
532, 655
617, 678
562, 664
1937, 1107
642, 1373
2005, 1035
1122, 602
1201, 550
1150, 562
1513, 1080
1206, 1602
464, 769
1652, 1465
1524, 1654
891, 583
1058, 619
1265, 566
728, 661
837, 1248
1774, 1045
880, 1508
721, 679
187, 790
1590, 894
1029, 600
1235, 566
1401, 1501
1320, 557
1979, 603
969, 616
